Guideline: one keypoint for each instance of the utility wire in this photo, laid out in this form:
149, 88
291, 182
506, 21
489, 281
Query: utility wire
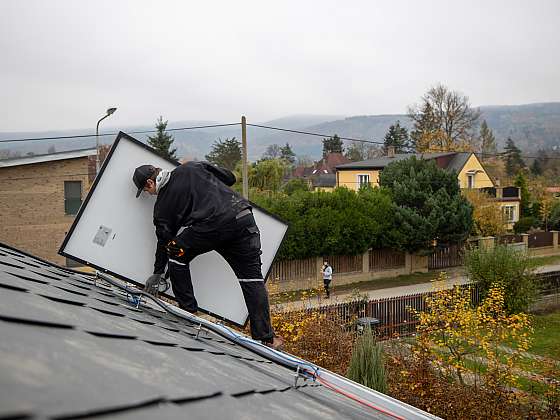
308, 133
114, 134
312, 134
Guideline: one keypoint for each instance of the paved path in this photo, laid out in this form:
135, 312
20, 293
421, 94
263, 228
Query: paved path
456, 276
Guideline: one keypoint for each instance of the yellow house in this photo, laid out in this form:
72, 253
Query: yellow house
470, 174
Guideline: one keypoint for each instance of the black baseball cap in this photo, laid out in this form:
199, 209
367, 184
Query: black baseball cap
141, 176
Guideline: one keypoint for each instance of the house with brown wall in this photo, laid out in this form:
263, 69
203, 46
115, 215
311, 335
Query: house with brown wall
39, 198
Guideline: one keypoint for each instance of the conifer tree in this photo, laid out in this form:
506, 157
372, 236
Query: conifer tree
512, 155
488, 140
396, 137
162, 141
287, 154
225, 153
332, 145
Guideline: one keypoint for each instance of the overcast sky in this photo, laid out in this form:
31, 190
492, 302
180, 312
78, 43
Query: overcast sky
62, 63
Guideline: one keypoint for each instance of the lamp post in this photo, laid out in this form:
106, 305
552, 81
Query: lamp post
109, 112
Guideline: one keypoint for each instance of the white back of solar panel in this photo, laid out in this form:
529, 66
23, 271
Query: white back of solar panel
114, 231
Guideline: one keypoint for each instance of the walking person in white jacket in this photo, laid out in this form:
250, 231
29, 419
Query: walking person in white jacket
327, 277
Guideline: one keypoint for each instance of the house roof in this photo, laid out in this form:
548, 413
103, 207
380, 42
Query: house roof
326, 165
75, 348
28, 160
381, 162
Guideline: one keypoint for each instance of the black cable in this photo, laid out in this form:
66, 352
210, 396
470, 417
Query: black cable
114, 134
308, 133
312, 134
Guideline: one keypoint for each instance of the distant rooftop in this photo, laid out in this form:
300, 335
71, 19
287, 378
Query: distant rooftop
28, 160
454, 160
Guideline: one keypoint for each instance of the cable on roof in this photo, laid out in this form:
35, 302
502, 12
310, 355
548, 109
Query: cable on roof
197, 127
301, 366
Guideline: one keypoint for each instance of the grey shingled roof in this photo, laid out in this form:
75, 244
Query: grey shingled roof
74, 348
381, 162
29, 160
458, 161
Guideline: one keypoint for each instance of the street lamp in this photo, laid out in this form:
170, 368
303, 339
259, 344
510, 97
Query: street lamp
109, 112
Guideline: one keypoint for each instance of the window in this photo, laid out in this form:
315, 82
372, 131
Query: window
508, 213
470, 180
72, 196
363, 180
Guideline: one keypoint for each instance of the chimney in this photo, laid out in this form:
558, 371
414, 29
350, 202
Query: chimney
391, 151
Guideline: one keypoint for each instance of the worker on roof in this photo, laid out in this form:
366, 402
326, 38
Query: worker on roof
196, 212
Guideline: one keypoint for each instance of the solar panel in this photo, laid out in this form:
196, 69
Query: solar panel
114, 233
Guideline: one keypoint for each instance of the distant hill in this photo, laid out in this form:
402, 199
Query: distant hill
531, 126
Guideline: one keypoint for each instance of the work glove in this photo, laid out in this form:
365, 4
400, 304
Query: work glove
175, 249
152, 284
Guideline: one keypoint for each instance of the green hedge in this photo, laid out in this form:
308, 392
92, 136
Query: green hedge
322, 223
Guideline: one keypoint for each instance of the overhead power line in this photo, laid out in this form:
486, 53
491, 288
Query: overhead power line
312, 134
307, 133
114, 134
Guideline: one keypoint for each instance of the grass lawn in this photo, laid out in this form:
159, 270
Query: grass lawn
540, 261
547, 335
362, 286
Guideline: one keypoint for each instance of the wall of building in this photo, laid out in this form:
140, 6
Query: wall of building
349, 178
481, 179
32, 215
516, 205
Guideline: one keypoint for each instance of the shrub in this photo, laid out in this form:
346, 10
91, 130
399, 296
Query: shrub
427, 204
318, 338
294, 185
554, 222
525, 223
322, 223
505, 266
367, 365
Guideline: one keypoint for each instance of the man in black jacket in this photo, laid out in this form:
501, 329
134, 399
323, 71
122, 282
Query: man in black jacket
196, 198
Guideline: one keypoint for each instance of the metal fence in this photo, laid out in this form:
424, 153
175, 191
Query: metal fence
540, 239
395, 315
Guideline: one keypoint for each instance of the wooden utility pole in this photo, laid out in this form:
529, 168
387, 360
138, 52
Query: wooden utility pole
244, 157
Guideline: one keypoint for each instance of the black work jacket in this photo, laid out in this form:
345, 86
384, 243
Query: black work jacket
197, 195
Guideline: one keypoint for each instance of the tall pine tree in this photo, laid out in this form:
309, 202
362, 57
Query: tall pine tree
288, 154
162, 141
488, 140
396, 137
512, 156
225, 153
332, 145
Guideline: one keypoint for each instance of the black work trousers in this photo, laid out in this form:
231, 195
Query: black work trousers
240, 245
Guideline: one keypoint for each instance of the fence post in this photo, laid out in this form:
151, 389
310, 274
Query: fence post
365, 262
554, 239
487, 242
319, 275
525, 237
408, 263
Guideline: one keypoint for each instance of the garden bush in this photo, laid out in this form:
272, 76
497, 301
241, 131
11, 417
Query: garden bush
505, 266
367, 364
525, 223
